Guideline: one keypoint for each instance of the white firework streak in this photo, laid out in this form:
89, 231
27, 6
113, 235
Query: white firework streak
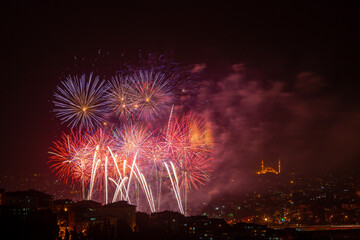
176, 190
146, 189
131, 173
106, 180
118, 189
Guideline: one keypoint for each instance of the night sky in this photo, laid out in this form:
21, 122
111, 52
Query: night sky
281, 77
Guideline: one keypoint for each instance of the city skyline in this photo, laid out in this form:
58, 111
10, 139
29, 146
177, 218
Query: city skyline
274, 80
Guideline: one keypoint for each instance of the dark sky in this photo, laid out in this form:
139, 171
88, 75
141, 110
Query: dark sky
282, 44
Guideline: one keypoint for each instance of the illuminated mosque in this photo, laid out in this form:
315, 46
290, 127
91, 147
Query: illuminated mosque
265, 170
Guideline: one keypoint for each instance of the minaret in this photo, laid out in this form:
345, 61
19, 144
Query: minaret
262, 165
279, 166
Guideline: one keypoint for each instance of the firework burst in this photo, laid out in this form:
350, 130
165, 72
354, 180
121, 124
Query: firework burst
153, 94
80, 101
132, 138
121, 96
69, 157
190, 144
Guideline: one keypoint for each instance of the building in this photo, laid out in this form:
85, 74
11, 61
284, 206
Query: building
119, 211
22, 203
61, 207
27, 215
202, 227
82, 214
251, 231
167, 221
87, 213
265, 170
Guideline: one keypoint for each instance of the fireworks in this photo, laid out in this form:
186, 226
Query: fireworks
132, 156
121, 96
80, 101
69, 156
153, 95
144, 95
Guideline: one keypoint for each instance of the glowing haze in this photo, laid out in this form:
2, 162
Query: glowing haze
299, 121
